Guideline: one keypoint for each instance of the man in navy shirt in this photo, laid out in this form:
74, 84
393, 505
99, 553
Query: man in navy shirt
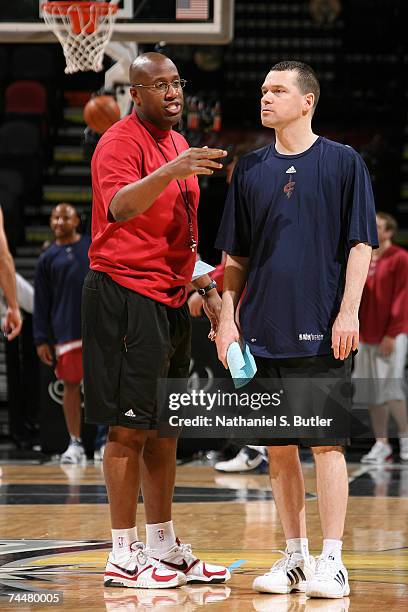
59, 277
298, 227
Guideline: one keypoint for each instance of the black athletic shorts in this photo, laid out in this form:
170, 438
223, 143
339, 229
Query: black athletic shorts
301, 395
129, 343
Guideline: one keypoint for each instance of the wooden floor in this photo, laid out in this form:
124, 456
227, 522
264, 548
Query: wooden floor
55, 536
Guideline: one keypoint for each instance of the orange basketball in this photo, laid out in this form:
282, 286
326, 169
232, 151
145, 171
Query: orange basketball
101, 112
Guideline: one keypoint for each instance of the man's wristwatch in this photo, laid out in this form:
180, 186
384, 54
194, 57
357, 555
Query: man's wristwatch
204, 290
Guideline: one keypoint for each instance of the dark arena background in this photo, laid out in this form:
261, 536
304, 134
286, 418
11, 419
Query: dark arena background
54, 516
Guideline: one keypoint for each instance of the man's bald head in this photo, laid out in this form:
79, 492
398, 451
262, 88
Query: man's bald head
149, 65
155, 88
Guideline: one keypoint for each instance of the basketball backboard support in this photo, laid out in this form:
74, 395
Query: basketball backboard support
19, 26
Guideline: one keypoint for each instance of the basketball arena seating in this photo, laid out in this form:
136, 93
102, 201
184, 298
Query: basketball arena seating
21, 150
27, 100
28, 97
11, 192
4, 61
34, 61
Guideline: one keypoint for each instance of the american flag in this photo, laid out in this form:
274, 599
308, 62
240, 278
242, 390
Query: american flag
191, 9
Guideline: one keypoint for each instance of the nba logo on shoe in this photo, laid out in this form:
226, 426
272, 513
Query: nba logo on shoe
120, 541
160, 533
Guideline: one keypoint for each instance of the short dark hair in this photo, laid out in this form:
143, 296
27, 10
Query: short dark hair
306, 77
390, 221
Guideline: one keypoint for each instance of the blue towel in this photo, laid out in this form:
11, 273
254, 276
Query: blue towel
241, 364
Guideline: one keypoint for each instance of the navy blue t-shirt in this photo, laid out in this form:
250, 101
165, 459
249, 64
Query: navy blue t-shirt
296, 217
59, 277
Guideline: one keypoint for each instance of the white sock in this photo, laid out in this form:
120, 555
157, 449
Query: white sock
298, 545
75, 440
121, 541
160, 536
332, 548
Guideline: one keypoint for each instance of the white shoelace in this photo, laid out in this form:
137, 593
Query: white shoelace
186, 549
142, 557
146, 558
326, 568
139, 551
283, 564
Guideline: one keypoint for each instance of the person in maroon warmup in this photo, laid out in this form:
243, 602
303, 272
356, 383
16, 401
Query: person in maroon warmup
383, 348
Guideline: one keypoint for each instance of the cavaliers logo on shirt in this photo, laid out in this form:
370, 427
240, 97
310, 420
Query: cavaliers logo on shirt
289, 188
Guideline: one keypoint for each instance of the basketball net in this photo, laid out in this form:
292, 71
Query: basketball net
83, 29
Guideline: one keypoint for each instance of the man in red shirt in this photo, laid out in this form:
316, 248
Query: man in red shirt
383, 346
136, 324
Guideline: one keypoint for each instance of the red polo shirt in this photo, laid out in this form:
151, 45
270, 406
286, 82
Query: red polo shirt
384, 304
149, 254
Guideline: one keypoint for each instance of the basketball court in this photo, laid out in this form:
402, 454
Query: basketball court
55, 538
54, 519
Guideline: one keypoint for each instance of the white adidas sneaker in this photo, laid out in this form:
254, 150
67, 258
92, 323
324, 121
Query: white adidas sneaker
286, 575
330, 579
181, 558
141, 571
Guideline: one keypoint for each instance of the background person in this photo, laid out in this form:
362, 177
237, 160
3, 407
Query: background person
382, 352
59, 277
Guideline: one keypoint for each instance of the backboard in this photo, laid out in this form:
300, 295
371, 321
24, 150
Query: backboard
140, 21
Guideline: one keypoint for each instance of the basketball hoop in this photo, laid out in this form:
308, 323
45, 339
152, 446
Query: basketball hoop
83, 29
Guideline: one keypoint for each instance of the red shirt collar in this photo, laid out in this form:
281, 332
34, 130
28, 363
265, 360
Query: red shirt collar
156, 132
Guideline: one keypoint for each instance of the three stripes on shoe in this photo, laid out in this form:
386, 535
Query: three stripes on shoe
295, 575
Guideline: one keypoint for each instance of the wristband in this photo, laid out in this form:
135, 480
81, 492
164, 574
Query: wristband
204, 290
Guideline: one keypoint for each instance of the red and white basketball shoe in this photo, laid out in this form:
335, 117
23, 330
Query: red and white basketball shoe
141, 571
181, 558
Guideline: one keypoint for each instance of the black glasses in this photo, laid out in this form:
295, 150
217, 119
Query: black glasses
163, 87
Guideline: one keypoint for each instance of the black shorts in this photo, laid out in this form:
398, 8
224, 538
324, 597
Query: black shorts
129, 343
301, 396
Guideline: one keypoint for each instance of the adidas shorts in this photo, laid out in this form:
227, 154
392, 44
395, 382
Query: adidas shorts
336, 372
129, 342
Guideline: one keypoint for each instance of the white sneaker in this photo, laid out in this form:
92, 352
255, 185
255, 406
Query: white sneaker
74, 455
181, 558
330, 579
241, 462
286, 575
403, 444
379, 453
141, 571
98, 453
